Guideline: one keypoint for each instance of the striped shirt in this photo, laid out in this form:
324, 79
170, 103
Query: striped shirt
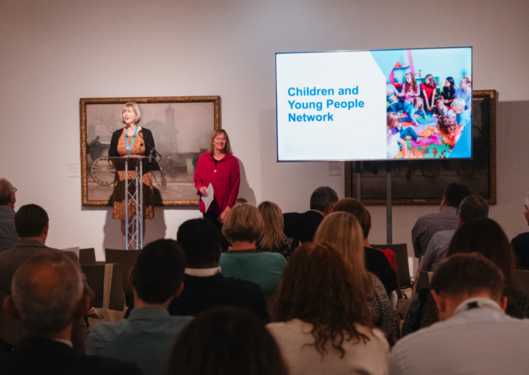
427, 225
8, 234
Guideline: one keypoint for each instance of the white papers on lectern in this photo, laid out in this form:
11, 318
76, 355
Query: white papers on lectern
207, 200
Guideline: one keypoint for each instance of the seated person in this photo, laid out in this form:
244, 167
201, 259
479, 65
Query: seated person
226, 341
205, 285
48, 298
462, 116
465, 92
8, 233
149, 333
322, 323
520, 243
440, 108
449, 130
273, 239
474, 335
243, 228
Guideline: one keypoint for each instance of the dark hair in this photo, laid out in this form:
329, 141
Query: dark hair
318, 287
486, 237
436, 110
358, 210
455, 193
322, 198
159, 271
447, 125
226, 341
452, 87
30, 220
473, 207
200, 241
468, 274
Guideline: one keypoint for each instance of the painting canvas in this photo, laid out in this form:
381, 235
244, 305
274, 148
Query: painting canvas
182, 128
423, 182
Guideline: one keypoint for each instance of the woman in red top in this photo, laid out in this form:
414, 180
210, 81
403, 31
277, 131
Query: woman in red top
428, 92
219, 167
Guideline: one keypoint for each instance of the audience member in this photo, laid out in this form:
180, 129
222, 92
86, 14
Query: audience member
475, 336
520, 243
48, 298
274, 239
375, 264
303, 226
342, 231
148, 334
205, 285
8, 233
427, 225
323, 325
472, 207
486, 237
226, 341
241, 200
243, 228
32, 225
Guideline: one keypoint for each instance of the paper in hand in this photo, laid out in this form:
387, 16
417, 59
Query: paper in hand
207, 200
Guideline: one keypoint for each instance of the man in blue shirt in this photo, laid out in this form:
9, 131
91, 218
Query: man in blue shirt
149, 333
465, 92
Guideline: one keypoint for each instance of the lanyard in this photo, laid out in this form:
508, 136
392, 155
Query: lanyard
127, 139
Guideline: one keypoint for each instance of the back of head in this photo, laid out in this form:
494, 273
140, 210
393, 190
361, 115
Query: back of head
159, 271
30, 221
244, 224
358, 210
47, 290
322, 198
226, 341
318, 287
455, 193
272, 216
468, 275
6, 188
473, 207
486, 237
200, 242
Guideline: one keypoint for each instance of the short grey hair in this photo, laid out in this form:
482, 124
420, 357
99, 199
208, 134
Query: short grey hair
136, 109
6, 189
322, 198
473, 207
46, 290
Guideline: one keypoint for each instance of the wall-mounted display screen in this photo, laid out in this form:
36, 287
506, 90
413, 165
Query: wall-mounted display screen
374, 105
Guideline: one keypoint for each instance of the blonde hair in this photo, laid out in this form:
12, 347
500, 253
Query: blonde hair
273, 236
343, 231
136, 109
243, 224
458, 104
227, 148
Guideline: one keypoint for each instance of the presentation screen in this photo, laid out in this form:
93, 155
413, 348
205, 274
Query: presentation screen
374, 105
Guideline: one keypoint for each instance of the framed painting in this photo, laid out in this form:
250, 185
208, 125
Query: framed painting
182, 128
423, 182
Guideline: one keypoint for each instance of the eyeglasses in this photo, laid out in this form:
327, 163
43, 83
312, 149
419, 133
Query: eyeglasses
14, 189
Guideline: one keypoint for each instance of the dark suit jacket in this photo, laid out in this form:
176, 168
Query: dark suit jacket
42, 356
201, 293
302, 226
520, 245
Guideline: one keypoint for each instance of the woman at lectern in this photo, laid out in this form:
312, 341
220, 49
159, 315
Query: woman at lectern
219, 168
134, 141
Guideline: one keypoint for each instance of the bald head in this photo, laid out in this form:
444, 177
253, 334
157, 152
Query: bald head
7, 194
46, 291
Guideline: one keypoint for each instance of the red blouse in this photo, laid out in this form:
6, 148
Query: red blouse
224, 177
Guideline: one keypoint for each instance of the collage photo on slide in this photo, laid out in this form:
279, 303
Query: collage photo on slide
428, 102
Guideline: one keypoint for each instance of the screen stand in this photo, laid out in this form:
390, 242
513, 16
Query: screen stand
389, 208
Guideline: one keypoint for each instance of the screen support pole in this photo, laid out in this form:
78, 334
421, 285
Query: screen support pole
389, 208
358, 180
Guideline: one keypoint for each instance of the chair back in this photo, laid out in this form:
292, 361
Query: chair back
401, 253
106, 283
126, 259
87, 256
11, 331
522, 280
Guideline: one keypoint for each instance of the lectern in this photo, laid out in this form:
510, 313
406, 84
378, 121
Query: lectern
134, 195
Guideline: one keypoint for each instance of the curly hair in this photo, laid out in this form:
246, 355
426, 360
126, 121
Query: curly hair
319, 288
413, 84
432, 81
447, 125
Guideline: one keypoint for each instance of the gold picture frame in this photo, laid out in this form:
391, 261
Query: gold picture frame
423, 182
182, 127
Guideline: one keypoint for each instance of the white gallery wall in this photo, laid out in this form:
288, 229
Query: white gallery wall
52, 53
